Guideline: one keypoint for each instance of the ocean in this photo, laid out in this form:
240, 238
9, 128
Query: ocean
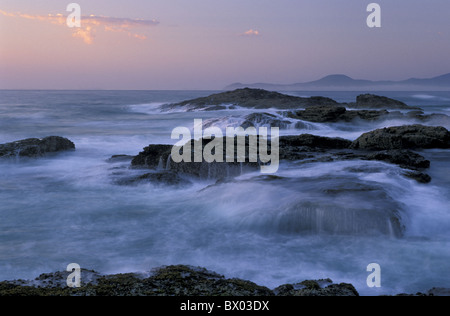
67, 208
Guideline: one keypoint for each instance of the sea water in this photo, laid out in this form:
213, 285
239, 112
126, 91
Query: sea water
68, 208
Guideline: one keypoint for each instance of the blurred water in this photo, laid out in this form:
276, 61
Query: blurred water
64, 209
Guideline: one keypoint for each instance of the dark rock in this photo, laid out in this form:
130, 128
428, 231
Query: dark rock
404, 137
159, 156
177, 280
250, 98
312, 141
404, 158
372, 101
419, 177
316, 288
35, 147
152, 156
366, 115
332, 114
320, 114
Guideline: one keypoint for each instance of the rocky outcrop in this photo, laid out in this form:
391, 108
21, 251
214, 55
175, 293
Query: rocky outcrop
249, 98
159, 156
305, 147
35, 147
371, 101
166, 281
404, 137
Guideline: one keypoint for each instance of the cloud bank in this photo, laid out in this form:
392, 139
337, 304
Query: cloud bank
89, 24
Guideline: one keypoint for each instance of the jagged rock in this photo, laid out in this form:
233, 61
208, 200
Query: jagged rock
404, 137
36, 147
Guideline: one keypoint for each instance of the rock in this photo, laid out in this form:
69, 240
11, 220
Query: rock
404, 158
418, 176
332, 114
316, 288
250, 98
152, 156
372, 101
366, 115
312, 141
159, 156
320, 114
35, 147
176, 280
404, 137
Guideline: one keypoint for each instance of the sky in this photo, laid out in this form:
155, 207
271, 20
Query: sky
209, 44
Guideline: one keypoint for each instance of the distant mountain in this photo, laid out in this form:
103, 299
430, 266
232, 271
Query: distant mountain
343, 82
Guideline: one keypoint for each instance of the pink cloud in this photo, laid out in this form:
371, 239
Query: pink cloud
89, 24
251, 32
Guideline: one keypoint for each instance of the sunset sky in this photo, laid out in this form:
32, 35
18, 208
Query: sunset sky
208, 44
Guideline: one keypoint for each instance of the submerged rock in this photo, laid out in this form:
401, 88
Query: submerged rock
404, 137
36, 147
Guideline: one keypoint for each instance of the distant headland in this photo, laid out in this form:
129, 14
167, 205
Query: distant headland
346, 83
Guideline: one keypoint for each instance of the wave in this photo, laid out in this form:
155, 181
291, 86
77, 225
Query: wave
146, 108
430, 97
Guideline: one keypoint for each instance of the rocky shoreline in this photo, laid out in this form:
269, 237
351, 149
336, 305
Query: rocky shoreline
178, 280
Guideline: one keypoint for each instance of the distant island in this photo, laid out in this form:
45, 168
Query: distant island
346, 83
